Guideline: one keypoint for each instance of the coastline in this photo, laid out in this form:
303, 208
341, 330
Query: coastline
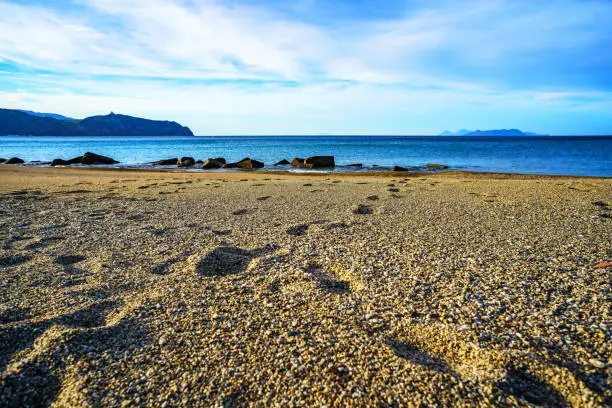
45, 170
342, 289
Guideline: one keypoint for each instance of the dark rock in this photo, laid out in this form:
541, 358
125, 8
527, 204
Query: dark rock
185, 162
212, 164
14, 160
436, 166
297, 162
219, 159
246, 163
92, 158
283, 162
75, 160
199, 162
355, 165
398, 168
167, 162
2, 161
319, 161
60, 162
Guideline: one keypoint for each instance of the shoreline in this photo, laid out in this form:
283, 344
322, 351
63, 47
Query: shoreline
297, 174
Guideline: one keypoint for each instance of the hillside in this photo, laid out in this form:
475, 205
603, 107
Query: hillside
492, 132
16, 122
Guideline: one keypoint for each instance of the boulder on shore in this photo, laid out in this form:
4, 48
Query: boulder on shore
167, 162
60, 162
246, 163
436, 166
185, 162
14, 160
2, 161
75, 160
219, 159
355, 165
283, 162
314, 162
399, 168
212, 164
297, 162
92, 158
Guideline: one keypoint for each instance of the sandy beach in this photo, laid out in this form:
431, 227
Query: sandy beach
153, 288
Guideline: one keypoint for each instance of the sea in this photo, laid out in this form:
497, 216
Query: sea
553, 155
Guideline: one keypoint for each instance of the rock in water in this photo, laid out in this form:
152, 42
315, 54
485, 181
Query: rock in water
436, 166
186, 162
167, 162
212, 164
92, 158
297, 162
250, 164
60, 162
246, 163
14, 160
355, 165
319, 161
283, 162
399, 168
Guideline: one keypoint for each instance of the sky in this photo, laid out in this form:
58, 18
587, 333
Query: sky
255, 67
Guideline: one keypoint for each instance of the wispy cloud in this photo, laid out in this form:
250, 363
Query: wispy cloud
220, 64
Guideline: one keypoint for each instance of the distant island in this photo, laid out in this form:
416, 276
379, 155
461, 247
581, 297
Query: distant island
494, 132
27, 123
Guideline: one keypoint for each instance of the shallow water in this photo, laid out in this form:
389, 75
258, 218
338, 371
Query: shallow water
587, 156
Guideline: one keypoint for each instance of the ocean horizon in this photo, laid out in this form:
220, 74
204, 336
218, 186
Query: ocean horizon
553, 155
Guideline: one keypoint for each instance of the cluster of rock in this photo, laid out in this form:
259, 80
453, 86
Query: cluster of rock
212, 163
12, 160
312, 162
88, 158
248, 163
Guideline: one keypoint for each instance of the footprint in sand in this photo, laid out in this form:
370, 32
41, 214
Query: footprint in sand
362, 209
528, 388
298, 230
264, 198
327, 279
372, 197
221, 232
93, 316
68, 260
394, 190
420, 357
223, 261
242, 211
13, 260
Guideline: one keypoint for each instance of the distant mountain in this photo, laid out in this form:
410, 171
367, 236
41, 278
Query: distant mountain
46, 115
16, 122
461, 132
501, 132
494, 132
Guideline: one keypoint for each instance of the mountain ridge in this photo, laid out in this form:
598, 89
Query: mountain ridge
20, 123
492, 132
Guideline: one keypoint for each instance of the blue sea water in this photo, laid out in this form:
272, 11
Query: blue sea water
587, 155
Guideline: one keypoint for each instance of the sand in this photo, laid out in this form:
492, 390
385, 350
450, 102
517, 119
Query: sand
126, 288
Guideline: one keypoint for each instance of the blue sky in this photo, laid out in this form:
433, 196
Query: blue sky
314, 66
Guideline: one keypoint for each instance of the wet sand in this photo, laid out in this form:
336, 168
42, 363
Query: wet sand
122, 288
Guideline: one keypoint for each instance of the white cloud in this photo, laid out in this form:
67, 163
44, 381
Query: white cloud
394, 67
